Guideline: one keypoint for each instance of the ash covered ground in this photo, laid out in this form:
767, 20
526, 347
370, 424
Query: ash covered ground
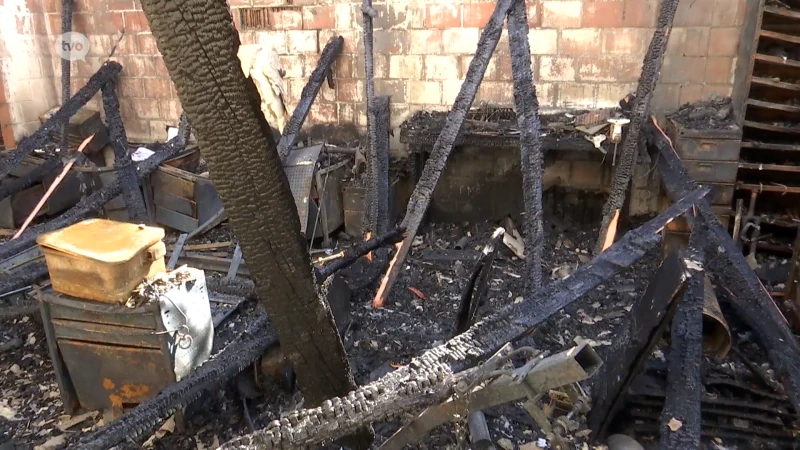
420, 313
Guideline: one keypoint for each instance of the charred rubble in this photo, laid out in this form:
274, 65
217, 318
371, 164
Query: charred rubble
654, 377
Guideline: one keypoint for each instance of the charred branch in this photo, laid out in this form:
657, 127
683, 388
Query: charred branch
684, 383
37, 140
651, 69
750, 299
421, 197
474, 293
635, 342
352, 254
126, 171
88, 205
399, 391
145, 418
290, 134
66, 66
531, 151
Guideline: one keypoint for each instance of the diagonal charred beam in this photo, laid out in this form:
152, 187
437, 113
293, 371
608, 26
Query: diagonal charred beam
90, 204
407, 388
651, 69
530, 143
326, 59
684, 383
750, 299
421, 197
108, 71
635, 342
352, 254
146, 417
126, 171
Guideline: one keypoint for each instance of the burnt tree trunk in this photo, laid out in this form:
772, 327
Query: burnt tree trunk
651, 69
530, 143
199, 43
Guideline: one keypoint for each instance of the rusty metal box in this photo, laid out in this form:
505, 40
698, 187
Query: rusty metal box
113, 356
709, 145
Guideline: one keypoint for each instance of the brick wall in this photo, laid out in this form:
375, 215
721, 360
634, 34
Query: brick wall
585, 53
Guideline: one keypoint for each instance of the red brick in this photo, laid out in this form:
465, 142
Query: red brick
724, 41
720, 90
120, 5
146, 45
502, 68
139, 66
146, 108
5, 114
109, 23
54, 23
239, 3
82, 23
286, 19
627, 40
160, 67
688, 41
34, 6
561, 14
690, 93
84, 5
424, 92
421, 42
127, 46
156, 87
576, 95
130, 87
393, 88
697, 13
543, 42
640, 13
170, 109
619, 69
683, 69
606, 14
350, 91
495, 93
391, 42
534, 11
301, 42
557, 68
138, 129
406, 66
460, 41
343, 67
51, 6
294, 66
443, 16
719, 70
581, 41
39, 24
319, 18
136, 22
8, 137
726, 12
440, 67
477, 14
323, 113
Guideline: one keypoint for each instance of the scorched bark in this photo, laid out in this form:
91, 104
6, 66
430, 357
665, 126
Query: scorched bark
199, 43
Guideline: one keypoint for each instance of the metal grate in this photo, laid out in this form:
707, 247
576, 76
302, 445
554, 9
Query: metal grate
254, 18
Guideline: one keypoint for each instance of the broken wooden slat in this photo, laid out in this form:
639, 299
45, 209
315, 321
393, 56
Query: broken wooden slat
751, 300
352, 254
635, 342
235, 262
651, 69
326, 59
531, 152
421, 197
684, 382
176, 251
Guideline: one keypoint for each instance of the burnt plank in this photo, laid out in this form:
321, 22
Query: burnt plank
106, 334
635, 342
175, 203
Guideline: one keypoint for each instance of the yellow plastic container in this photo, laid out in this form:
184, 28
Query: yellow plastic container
102, 260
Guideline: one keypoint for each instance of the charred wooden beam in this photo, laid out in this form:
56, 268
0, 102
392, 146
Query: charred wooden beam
23, 276
369, 220
651, 69
476, 288
404, 390
88, 205
11, 187
635, 342
66, 67
326, 59
381, 116
750, 299
126, 171
145, 418
684, 381
531, 152
108, 71
352, 254
421, 197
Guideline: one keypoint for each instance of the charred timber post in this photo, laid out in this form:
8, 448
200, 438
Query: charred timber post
684, 384
66, 67
126, 171
421, 197
88, 205
326, 59
750, 300
381, 116
199, 43
403, 389
651, 69
370, 218
108, 71
352, 254
530, 143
